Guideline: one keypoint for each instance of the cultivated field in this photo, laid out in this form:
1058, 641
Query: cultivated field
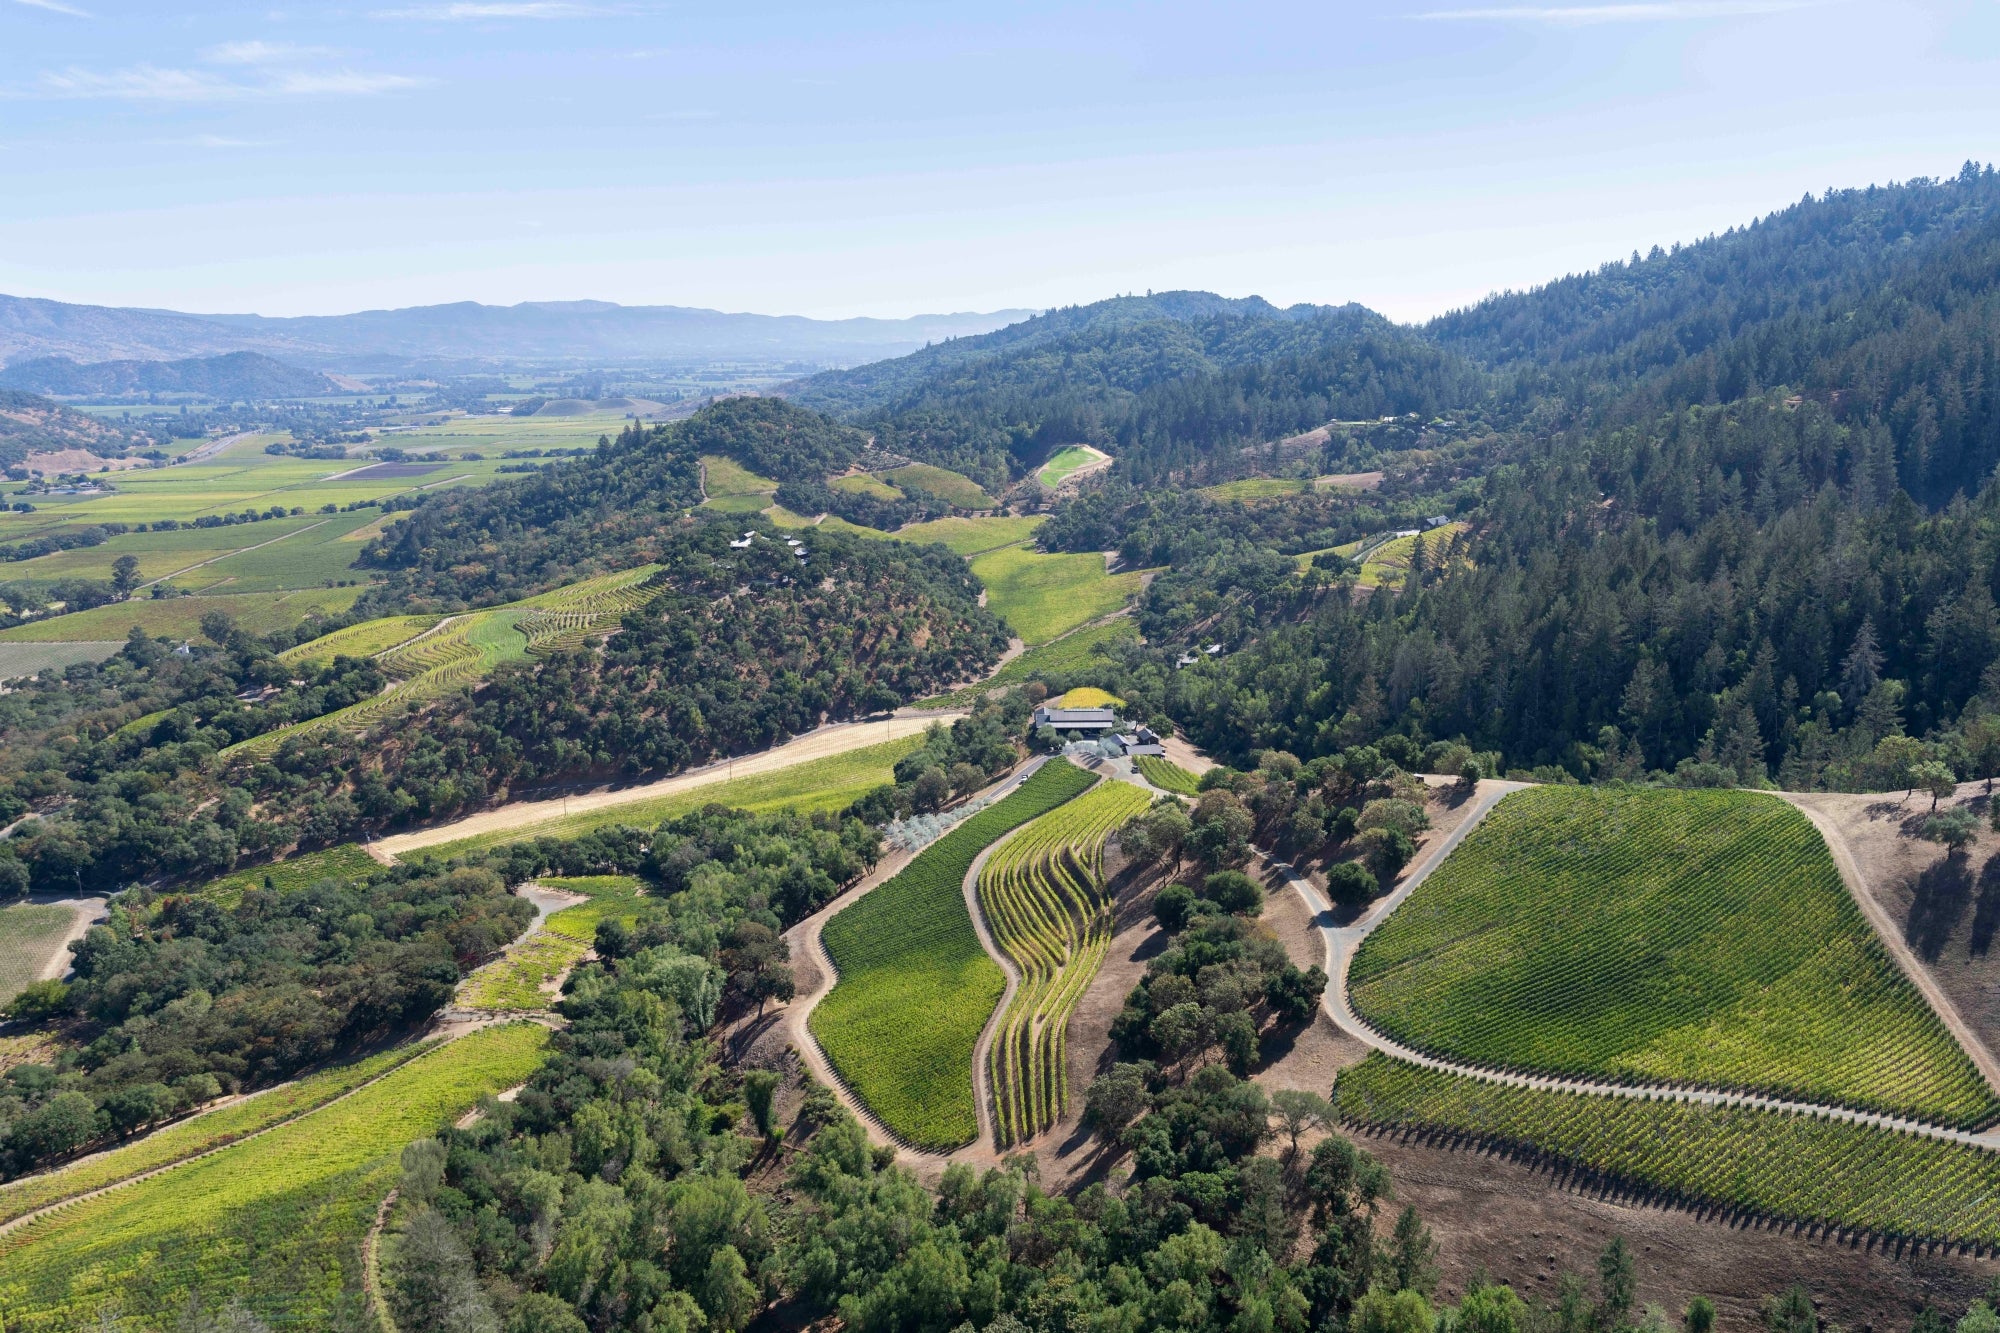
364, 640
1045, 596
180, 617
915, 986
725, 477
1167, 775
1250, 489
862, 483
973, 536
516, 981
1798, 1168
197, 1134
1043, 895
831, 782
1073, 651
275, 1222
30, 936
956, 487
32, 659
347, 861
1064, 463
1088, 696
1691, 937
464, 650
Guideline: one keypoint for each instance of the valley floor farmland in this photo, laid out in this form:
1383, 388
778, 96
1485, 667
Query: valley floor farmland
275, 1222
916, 989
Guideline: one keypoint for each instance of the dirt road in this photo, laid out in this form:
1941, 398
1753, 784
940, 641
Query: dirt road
520, 815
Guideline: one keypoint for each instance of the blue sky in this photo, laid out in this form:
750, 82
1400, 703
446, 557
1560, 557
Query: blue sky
889, 158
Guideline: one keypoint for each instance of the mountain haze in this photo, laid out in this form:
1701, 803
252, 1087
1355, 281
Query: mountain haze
538, 332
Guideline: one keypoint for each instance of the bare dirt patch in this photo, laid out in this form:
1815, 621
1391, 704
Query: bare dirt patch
58, 461
1310, 1057
1942, 909
1357, 481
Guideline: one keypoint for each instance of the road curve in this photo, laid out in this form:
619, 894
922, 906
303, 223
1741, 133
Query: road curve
1342, 941
806, 936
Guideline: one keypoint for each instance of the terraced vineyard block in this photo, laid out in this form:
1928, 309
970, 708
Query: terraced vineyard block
1043, 895
462, 650
915, 986
1796, 1167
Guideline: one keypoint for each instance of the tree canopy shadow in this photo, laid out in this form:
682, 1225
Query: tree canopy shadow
1986, 916
1939, 896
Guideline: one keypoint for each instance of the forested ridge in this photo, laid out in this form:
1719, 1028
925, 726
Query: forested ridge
609, 510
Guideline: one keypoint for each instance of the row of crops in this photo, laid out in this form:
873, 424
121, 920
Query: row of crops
1792, 1167
1167, 775
462, 650
197, 1134
1043, 894
1683, 938
916, 988
275, 1222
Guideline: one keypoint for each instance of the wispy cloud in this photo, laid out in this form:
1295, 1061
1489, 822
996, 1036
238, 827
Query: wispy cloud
1647, 11
498, 9
263, 53
54, 7
216, 141
149, 83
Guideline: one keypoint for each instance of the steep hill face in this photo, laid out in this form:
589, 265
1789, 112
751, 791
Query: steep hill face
1167, 382
1143, 320
232, 375
1882, 304
34, 425
609, 510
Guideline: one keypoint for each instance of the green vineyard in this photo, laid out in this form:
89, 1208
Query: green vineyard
916, 988
1167, 775
1694, 938
275, 1221
463, 650
1792, 1167
198, 1134
366, 639
1042, 892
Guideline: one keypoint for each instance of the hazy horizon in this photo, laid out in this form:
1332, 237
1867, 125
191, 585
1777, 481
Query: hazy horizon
884, 160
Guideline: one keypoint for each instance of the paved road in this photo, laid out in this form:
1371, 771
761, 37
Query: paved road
1342, 941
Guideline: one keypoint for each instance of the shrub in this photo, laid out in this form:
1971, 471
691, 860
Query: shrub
1172, 906
1349, 884
1235, 892
42, 999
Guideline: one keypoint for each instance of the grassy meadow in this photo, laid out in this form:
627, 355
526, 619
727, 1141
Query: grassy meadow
1045, 596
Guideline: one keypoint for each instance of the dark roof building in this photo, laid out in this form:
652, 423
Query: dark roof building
1077, 721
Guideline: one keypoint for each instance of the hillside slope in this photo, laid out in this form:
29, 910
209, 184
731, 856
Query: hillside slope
231, 375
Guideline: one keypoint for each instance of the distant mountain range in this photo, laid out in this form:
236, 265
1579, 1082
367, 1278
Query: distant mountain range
229, 376
540, 333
